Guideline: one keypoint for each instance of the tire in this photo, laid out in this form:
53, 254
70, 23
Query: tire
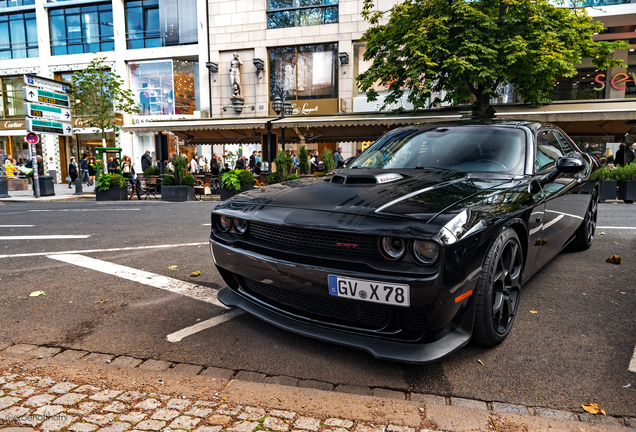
499, 289
584, 234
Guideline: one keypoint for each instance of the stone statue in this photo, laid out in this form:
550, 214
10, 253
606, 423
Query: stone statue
235, 77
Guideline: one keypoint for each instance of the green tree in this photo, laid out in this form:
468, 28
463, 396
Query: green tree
469, 48
303, 160
100, 94
328, 164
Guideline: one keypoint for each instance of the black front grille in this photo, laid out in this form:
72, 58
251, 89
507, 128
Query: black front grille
318, 308
307, 238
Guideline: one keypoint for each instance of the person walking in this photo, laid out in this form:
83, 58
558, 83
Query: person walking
84, 170
337, 158
146, 161
194, 166
296, 162
92, 169
72, 171
259, 157
624, 156
315, 162
252, 163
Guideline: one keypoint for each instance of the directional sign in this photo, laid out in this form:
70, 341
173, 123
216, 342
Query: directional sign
57, 128
41, 111
32, 138
36, 81
31, 94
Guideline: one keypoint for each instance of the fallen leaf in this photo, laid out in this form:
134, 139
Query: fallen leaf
37, 293
173, 267
195, 274
615, 242
615, 259
481, 362
593, 408
101, 301
601, 233
533, 312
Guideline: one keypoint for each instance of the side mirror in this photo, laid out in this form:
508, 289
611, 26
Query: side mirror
569, 165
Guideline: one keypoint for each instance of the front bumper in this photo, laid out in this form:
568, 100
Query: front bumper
256, 283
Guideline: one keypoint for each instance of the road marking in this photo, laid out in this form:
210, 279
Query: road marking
176, 286
16, 226
86, 210
45, 237
188, 331
208, 224
99, 250
632, 363
612, 227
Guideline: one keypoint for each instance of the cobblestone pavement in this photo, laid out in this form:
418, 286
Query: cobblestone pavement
50, 397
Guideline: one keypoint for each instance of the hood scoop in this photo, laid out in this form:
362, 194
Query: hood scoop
366, 179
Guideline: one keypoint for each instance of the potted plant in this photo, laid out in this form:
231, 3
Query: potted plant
626, 180
178, 186
234, 182
284, 166
111, 187
328, 164
607, 183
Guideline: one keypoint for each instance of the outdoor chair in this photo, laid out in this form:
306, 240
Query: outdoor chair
201, 188
150, 187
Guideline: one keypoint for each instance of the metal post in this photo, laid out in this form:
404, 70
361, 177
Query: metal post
78, 186
269, 145
4, 186
36, 179
282, 137
159, 152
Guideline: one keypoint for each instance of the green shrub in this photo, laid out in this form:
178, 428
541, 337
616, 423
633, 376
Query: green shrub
188, 180
284, 167
627, 172
602, 173
106, 181
293, 177
152, 170
179, 163
168, 181
328, 164
245, 177
272, 178
303, 158
230, 180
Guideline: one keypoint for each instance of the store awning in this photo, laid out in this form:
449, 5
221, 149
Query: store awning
595, 110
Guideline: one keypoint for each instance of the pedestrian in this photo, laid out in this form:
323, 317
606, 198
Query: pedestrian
203, 164
84, 170
608, 155
252, 163
337, 158
240, 164
295, 161
72, 172
116, 166
194, 166
128, 171
257, 169
586, 147
92, 170
315, 162
634, 149
624, 156
146, 161
215, 169
259, 157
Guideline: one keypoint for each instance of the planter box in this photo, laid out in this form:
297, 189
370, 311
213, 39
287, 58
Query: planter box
177, 193
15, 184
112, 194
227, 194
608, 190
627, 190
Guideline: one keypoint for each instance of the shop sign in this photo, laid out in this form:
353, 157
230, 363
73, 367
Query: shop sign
311, 107
11, 124
149, 119
360, 103
616, 81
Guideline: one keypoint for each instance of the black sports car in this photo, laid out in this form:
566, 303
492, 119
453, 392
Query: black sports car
419, 245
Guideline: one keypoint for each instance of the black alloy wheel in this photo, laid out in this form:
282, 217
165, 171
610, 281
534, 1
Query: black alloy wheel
586, 231
499, 289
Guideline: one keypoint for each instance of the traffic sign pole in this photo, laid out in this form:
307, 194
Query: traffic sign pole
36, 179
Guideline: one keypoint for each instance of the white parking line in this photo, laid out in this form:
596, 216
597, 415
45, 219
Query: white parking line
16, 226
45, 237
86, 210
99, 250
632, 363
613, 227
178, 336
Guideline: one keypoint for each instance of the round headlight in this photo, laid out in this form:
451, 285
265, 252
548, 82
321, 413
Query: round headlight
425, 252
225, 223
240, 225
392, 248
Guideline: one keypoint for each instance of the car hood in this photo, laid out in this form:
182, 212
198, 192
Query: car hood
412, 193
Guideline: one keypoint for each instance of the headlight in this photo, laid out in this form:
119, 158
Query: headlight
225, 223
425, 252
392, 248
240, 225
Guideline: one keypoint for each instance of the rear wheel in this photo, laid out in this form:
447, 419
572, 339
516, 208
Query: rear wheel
499, 289
584, 235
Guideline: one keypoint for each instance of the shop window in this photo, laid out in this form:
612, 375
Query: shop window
157, 23
165, 87
82, 29
13, 3
18, 36
578, 87
295, 13
11, 102
304, 72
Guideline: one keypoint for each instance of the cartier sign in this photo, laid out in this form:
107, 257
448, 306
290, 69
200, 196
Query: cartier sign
12, 124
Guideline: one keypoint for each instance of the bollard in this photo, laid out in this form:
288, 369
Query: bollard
78, 187
4, 188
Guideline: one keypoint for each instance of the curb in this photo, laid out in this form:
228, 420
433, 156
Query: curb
250, 385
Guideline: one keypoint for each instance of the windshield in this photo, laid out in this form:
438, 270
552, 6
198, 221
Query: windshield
459, 148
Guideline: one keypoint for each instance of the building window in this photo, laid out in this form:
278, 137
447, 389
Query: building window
13, 3
18, 36
84, 29
157, 23
11, 102
295, 13
165, 87
304, 72
581, 86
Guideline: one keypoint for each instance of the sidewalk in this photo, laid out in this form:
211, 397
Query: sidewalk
51, 389
62, 193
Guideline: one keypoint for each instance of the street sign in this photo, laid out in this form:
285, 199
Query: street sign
32, 138
40, 111
36, 81
57, 128
31, 94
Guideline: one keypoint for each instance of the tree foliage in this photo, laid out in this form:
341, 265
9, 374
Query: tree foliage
100, 94
466, 48
303, 160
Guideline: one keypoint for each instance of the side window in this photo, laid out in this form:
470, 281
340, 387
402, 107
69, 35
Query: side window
547, 152
568, 148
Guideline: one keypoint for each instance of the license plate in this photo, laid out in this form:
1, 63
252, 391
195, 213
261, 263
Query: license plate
371, 291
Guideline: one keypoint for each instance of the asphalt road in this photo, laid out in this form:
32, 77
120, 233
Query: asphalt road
575, 349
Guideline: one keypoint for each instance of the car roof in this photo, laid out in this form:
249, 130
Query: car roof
472, 122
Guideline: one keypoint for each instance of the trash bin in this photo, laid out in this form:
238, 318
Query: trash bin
46, 186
